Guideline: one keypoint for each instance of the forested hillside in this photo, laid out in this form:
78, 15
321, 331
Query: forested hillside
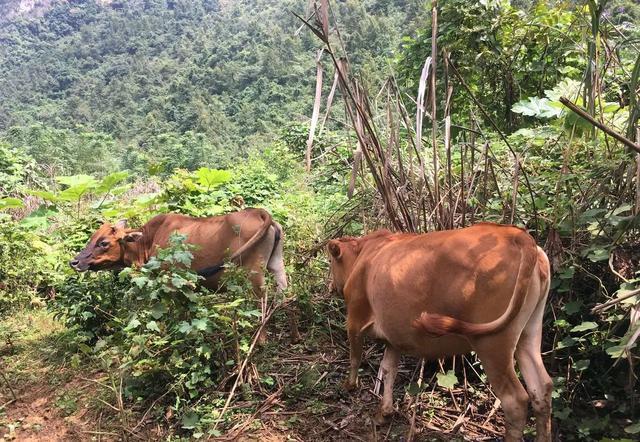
143, 79
338, 118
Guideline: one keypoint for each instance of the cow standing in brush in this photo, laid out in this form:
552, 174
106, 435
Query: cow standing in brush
249, 237
481, 288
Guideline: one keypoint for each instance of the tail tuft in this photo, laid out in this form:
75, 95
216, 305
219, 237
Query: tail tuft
438, 325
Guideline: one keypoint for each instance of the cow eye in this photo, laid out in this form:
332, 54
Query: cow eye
103, 244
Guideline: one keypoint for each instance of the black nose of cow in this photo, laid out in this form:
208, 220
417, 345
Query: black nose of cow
74, 263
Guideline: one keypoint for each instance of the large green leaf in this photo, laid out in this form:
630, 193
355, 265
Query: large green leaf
74, 193
211, 178
77, 180
10, 203
44, 194
78, 186
110, 181
537, 107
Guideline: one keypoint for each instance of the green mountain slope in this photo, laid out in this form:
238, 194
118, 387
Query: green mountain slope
228, 70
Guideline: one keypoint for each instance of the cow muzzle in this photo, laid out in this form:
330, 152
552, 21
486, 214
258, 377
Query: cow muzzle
79, 265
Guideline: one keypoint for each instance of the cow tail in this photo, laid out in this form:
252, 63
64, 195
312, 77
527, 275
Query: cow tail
267, 221
438, 325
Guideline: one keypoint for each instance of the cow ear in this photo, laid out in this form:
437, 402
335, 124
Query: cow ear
132, 236
122, 224
334, 248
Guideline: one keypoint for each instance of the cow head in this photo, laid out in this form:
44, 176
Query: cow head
342, 256
106, 248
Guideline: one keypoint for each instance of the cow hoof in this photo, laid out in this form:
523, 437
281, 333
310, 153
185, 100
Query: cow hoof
382, 416
347, 385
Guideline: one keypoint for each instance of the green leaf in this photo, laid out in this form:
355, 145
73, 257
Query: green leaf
178, 282
448, 380
190, 420
152, 325
77, 180
134, 323
582, 364
537, 107
110, 181
158, 310
204, 350
10, 203
572, 308
199, 324
45, 195
566, 343
587, 325
140, 281
211, 178
598, 255
185, 327
617, 351
74, 193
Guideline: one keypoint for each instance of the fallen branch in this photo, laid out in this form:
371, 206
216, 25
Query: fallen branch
608, 304
13, 393
624, 140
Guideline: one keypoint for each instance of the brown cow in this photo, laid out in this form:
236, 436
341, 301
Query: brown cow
480, 288
249, 237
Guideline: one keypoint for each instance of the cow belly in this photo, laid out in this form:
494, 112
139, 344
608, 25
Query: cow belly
413, 342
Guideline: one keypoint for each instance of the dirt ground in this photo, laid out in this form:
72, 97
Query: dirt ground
61, 396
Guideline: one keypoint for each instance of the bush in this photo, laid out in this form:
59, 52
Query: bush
91, 303
26, 264
159, 324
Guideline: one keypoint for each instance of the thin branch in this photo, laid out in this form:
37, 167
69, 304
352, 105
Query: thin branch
624, 140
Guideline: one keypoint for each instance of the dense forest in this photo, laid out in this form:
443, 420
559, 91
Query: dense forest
339, 118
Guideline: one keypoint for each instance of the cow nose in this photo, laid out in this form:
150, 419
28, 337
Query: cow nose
74, 263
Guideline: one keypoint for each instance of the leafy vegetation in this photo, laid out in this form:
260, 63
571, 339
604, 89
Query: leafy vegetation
113, 110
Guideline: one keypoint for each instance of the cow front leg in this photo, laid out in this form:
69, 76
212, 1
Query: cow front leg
389, 371
355, 357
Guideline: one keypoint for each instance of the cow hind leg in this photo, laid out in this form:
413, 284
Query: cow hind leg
257, 283
537, 380
275, 265
498, 363
389, 372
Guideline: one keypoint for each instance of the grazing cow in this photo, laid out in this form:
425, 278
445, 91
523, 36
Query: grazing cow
481, 288
249, 237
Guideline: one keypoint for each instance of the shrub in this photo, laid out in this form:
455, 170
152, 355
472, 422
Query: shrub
26, 264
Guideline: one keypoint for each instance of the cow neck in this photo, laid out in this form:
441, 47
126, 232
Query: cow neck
367, 246
137, 252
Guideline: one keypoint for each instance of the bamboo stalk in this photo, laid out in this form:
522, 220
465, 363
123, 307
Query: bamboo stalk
434, 119
316, 110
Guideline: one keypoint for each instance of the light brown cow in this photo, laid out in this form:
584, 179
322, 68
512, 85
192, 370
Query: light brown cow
249, 237
480, 288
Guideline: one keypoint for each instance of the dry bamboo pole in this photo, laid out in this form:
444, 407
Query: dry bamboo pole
502, 136
329, 103
447, 140
637, 208
316, 110
516, 178
434, 119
